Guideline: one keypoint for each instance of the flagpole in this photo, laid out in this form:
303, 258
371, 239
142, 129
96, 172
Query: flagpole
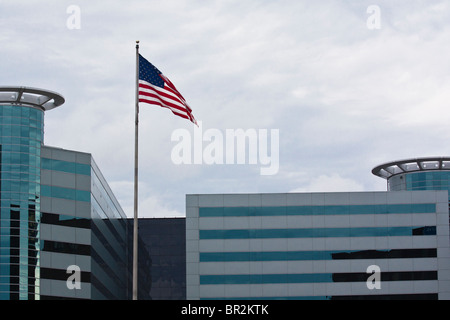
135, 221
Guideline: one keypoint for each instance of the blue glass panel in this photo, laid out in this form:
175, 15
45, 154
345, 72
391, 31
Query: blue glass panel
436, 180
83, 169
65, 166
266, 278
311, 233
65, 193
228, 211
25, 113
317, 255
46, 191
317, 210
82, 195
7, 111
20, 160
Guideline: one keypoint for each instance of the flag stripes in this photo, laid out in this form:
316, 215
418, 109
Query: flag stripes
156, 89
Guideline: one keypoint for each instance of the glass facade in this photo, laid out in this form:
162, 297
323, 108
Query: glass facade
165, 241
423, 180
21, 137
145, 270
426, 180
109, 274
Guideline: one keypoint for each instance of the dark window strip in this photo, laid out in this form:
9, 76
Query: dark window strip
316, 255
64, 220
386, 276
58, 274
314, 277
65, 247
418, 296
390, 254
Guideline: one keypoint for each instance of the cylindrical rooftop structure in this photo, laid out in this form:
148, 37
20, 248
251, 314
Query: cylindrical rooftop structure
428, 173
21, 138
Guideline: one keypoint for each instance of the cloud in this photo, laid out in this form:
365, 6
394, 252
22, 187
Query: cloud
151, 204
344, 98
331, 183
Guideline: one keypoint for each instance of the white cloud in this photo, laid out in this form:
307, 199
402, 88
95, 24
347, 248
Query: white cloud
151, 203
343, 97
331, 183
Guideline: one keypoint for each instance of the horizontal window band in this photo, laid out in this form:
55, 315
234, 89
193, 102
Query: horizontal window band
316, 210
58, 274
66, 166
316, 232
387, 276
65, 247
314, 277
65, 193
316, 255
7, 277
414, 296
16, 287
65, 220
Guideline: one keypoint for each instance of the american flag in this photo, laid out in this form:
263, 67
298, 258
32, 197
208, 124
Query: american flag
157, 89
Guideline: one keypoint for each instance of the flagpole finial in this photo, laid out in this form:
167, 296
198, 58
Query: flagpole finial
137, 44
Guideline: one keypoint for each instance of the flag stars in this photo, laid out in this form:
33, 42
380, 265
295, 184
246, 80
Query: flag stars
150, 73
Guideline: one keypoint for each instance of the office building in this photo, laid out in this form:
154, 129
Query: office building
63, 234
83, 225
349, 245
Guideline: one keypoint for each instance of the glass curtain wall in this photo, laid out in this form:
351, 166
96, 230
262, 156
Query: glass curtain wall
427, 180
21, 137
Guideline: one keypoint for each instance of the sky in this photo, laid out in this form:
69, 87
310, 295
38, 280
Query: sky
333, 88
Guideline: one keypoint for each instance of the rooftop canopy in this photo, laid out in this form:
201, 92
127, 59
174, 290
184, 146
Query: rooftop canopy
390, 169
43, 99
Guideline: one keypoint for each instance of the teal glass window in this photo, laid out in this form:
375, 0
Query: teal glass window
316, 232
316, 255
65, 193
316, 210
65, 166
21, 133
